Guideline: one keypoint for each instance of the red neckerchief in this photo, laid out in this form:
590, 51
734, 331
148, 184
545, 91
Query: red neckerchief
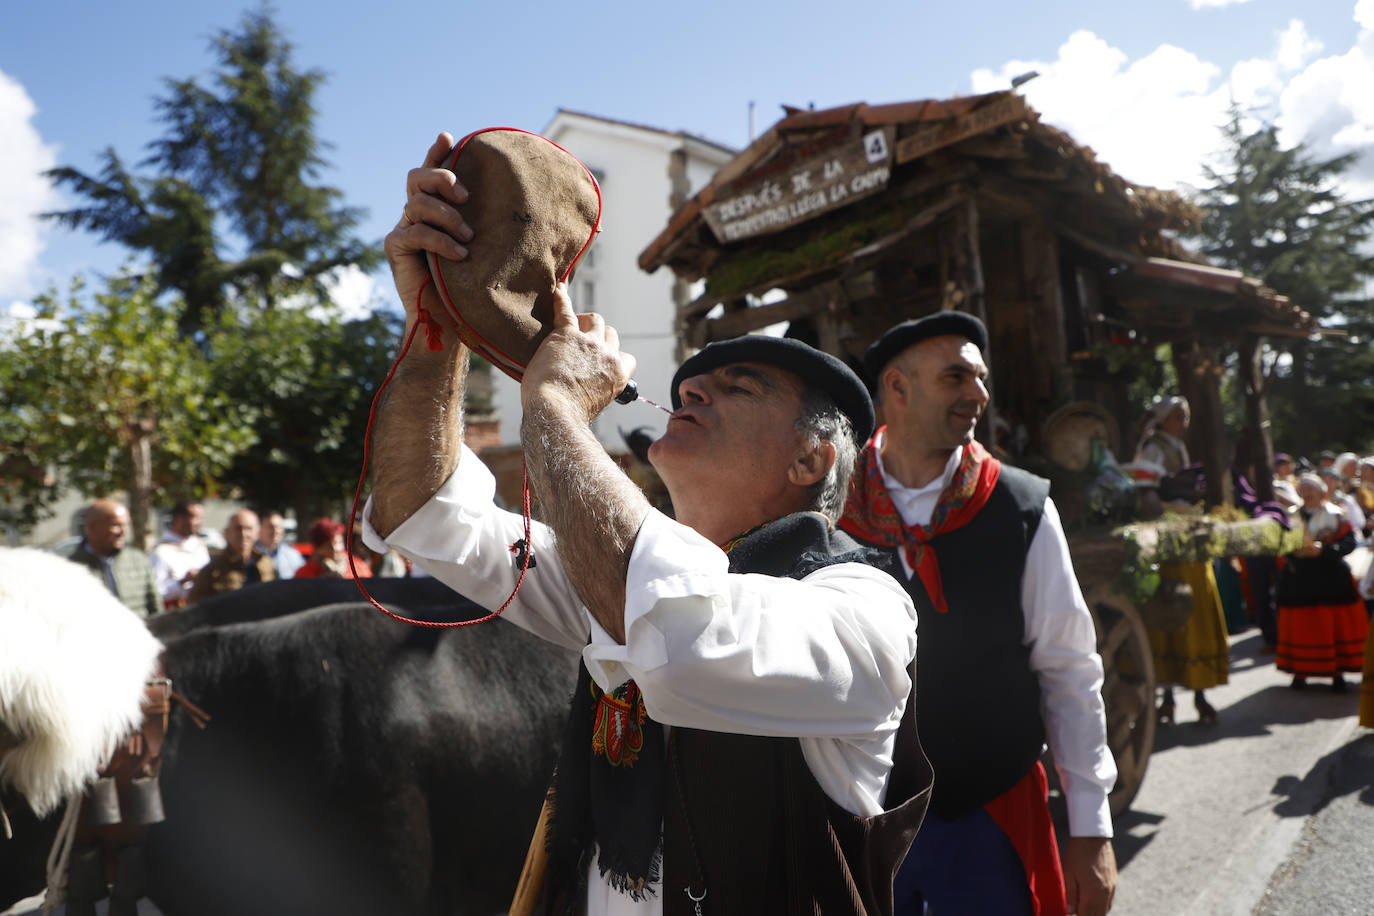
870, 514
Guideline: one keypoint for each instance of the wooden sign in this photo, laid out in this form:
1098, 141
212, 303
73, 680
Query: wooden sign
1003, 111
802, 182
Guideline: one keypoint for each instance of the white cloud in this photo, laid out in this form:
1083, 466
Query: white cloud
1328, 105
23, 191
351, 294
19, 319
1296, 46
1153, 120
354, 292
1204, 4
1364, 14
1255, 83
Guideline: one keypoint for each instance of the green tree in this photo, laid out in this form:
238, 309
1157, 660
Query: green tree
242, 235
111, 397
1278, 214
244, 148
313, 379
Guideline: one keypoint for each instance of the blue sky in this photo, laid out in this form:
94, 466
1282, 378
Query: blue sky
1144, 84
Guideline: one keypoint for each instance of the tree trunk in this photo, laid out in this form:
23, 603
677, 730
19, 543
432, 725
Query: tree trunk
141, 485
1258, 434
1199, 374
1301, 399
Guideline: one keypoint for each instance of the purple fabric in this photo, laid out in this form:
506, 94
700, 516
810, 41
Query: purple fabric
1248, 501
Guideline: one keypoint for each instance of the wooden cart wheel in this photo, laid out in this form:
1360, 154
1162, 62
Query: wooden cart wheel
1128, 689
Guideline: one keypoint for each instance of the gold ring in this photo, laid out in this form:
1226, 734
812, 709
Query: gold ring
406, 216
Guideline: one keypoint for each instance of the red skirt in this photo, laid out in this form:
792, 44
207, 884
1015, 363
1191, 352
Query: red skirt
1321, 640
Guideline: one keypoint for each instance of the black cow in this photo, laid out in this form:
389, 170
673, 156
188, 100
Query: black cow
354, 764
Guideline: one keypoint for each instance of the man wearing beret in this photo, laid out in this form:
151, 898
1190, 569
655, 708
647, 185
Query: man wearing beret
743, 693
1004, 630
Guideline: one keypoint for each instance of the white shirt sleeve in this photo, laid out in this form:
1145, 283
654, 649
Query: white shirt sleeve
462, 539
1063, 644
823, 658
1354, 513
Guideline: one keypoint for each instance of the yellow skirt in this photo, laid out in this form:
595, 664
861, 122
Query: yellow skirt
1195, 655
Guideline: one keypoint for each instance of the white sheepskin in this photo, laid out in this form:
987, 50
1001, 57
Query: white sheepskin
73, 662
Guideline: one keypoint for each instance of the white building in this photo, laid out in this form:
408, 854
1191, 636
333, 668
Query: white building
645, 174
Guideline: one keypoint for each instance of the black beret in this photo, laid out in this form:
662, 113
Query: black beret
901, 336
816, 368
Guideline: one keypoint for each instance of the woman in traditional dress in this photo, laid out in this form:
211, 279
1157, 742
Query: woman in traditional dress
1193, 656
1322, 622
1364, 494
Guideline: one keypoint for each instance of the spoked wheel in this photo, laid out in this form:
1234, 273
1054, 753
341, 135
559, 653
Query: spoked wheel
1128, 689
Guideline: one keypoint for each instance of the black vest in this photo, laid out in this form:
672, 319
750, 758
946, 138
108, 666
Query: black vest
978, 702
748, 813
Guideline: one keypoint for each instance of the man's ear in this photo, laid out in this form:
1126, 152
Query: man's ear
892, 384
812, 464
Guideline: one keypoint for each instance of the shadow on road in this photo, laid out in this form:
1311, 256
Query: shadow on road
1133, 829
1346, 770
1255, 715
1128, 839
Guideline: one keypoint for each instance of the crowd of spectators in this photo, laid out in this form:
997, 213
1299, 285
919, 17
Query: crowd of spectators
1323, 612
184, 568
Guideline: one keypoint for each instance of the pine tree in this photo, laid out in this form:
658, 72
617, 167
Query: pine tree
229, 211
244, 148
1278, 214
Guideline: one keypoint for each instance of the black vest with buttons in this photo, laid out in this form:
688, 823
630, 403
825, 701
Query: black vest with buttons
744, 817
977, 700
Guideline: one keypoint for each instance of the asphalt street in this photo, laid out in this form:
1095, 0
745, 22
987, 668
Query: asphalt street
1269, 812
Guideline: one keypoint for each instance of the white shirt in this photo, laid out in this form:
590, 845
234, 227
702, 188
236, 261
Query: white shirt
285, 559
173, 559
1353, 512
1063, 654
1151, 451
1286, 493
823, 658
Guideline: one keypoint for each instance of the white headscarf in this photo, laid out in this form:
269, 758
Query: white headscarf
1155, 414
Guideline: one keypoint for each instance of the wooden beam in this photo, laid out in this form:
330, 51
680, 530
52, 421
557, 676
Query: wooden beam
1095, 245
732, 324
1004, 145
919, 221
1027, 172
1005, 110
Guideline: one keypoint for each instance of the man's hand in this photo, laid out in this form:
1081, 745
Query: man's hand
578, 364
429, 221
419, 425
594, 510
1089, 875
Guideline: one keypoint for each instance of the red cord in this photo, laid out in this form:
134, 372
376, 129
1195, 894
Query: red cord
434, 341
434, 331
425, 318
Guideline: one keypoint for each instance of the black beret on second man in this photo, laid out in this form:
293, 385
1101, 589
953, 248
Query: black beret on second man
903, 335
816, 368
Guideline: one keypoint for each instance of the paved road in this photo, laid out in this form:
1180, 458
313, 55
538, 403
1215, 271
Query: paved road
1271, 812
